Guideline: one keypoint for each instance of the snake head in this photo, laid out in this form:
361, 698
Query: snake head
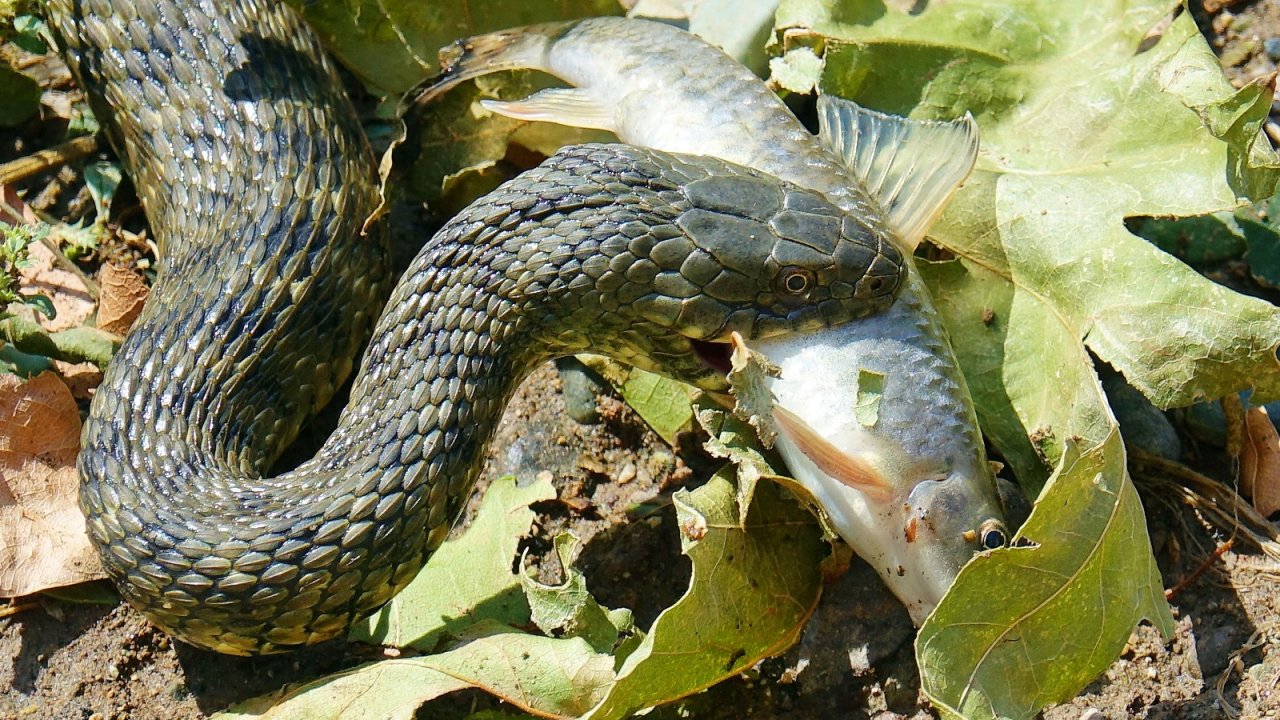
762, 257
658, 259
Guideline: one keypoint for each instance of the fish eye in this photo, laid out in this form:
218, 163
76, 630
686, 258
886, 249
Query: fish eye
876, 284
992, 535
795, 280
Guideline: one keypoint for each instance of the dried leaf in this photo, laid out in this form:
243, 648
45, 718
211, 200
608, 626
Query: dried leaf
749, 380
42, 537
1260, 461
70, 298
123, 294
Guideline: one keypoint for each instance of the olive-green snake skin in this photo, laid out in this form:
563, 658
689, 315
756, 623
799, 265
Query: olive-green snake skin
256, 179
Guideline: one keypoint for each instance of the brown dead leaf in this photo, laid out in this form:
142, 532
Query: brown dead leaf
122, 297
82, 378
42, 535
69, 296
1260, 461
13, 209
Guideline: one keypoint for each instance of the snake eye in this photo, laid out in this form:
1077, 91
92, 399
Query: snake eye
795, 280
992, 535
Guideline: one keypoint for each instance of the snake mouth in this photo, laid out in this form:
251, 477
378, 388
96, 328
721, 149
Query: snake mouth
715, 355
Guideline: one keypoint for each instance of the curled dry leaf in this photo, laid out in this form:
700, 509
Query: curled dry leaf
42, 536
1260, 461
749, 382
123, 294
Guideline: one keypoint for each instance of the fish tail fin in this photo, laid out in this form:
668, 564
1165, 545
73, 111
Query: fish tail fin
513, 49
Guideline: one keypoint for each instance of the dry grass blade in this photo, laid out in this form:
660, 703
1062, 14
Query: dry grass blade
1218, 503
1261, 637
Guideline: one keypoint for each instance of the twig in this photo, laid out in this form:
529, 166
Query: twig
1204, 566
37, 162
15, 608
62, 261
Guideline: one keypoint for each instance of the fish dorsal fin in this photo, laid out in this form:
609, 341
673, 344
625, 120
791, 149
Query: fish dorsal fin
911, 166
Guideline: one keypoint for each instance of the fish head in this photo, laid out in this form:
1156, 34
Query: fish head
907, 486
913, 520
947, 522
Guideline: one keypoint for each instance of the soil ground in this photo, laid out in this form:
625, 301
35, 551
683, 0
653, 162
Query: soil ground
63, 660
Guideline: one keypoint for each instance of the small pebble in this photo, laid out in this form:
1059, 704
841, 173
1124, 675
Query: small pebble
1271, 46
581, 387
1092, 714
627, 474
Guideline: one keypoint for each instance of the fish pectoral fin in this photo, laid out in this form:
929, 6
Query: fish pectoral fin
567, 106
847, 469
912, 167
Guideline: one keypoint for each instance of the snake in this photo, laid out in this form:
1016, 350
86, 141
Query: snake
257, 178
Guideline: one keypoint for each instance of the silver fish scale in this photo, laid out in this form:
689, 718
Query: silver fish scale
256, 177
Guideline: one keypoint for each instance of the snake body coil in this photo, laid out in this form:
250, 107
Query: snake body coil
256, 178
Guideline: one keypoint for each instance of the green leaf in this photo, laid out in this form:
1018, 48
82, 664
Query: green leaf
103, 179
568, 609
1067, 105
392, 45
663, 403
21, 96
468, 579
1086, 122
541, 675
1258, 225
42, 304
870, 390
78, 344
733, 438
1198, 240
1066, 606
739, 27
751, 592
797, 70
30, 33
25, 365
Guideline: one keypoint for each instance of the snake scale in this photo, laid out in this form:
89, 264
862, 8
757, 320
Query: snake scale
256, 178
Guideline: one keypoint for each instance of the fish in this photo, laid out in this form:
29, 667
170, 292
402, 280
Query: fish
907, 485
